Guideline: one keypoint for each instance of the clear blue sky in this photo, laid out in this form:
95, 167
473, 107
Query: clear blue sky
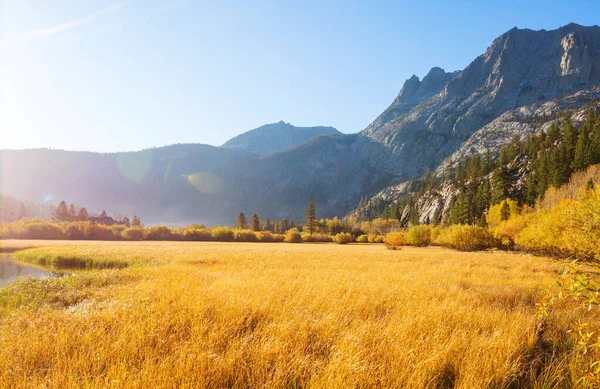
109, 75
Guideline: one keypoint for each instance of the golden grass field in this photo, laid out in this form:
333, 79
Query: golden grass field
252, 315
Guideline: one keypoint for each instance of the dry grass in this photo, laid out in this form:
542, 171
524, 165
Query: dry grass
275, 315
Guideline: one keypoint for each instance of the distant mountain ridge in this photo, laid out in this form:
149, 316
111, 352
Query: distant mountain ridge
272, 138
430, 123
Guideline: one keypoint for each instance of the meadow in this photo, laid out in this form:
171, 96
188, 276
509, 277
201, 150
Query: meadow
268, 315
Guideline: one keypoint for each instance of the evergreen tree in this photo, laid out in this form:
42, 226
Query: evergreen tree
136, 222
504, 211
61, 213
502, 184
255, 223
268, 226
437, 216
311, 217
126, 222
241, 223
531, 186
582, 155
71, 213
21, 213
483, 197
83, 215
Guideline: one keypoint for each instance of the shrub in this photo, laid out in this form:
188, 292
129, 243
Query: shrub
133, 233
572, 228
435, 232
507, 230
464, 237
343, 238
362, 239
117, 230
160, 233
75, 231
394, 240
97, 232
323, 238
293, 236
197, 234
418, 236
42, 230
376, 238
306, 237
222, 234
244, 236
266, 236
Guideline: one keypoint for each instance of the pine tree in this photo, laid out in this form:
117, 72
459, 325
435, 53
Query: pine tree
71, 213
136, 222
581, 158
268, 226
502, 184
504, 211
241, 223
483, 197
83, 215
437, 216
531, 186
255, 223
311, 217
21, 214
61, 213
126, 222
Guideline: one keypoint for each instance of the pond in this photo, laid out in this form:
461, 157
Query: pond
11, 270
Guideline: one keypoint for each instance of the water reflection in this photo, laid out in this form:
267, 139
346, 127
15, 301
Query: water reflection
11, 270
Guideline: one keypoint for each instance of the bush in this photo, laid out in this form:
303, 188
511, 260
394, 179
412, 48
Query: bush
362, 239
376, 238
464, 237
244, 236
293, 236
42, 230
323, 238
75, 231
394, 240
133, 233
572, 228
266, 236
95, 231
222, 234
197, 234
160, 233
343, 238
435, 232
507, 230
306, 237
419, 236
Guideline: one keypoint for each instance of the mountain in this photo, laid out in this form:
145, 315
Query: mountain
431, 123
272, 138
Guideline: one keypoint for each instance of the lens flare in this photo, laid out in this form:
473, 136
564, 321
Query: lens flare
135, 166
168, 171
207, 182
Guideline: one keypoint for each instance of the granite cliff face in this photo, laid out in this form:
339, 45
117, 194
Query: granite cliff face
520, 68
431, 123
